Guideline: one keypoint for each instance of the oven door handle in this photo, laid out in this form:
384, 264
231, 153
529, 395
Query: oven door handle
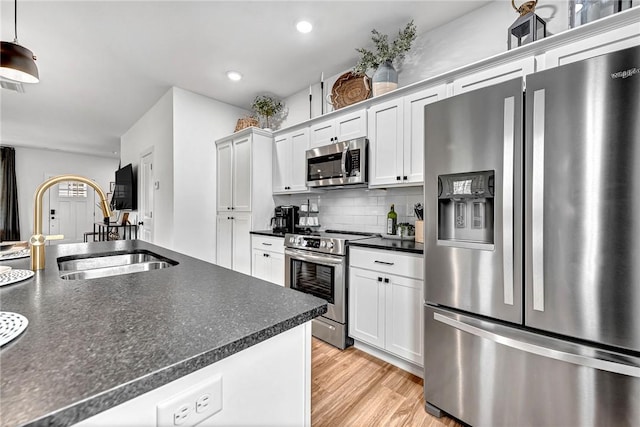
312, 257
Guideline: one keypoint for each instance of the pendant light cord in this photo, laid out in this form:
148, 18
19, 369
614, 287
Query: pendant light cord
15, 21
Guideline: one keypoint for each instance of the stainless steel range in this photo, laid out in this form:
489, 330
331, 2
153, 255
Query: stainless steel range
317, 264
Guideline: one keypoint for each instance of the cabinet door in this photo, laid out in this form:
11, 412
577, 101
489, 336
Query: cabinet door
366, 306
600, 44
242, 174
322, 133
242, 242
495, 75
281, 163
351, 125
261, 265
224, 240
385, 143
298, 162
403, 317
277, 268
224, 167
414, 131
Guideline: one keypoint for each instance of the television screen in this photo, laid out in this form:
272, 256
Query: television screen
124, 194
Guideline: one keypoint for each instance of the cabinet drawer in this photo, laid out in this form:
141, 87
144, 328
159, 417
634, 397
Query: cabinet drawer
401, 264
266, 243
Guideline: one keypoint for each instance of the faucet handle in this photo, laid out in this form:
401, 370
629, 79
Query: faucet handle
39, 239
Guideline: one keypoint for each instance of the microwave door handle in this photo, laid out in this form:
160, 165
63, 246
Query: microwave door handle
345, 153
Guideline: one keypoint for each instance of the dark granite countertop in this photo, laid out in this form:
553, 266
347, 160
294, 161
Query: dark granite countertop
93, 344
269, 233
390, 244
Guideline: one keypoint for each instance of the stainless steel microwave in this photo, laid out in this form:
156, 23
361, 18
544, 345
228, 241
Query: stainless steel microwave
336, 165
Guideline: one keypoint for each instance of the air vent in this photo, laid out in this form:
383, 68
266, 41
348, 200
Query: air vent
11, 85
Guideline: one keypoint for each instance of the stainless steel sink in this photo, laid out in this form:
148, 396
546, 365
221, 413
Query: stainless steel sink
111, 264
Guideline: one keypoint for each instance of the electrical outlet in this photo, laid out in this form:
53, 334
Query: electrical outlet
181, 415
191, 406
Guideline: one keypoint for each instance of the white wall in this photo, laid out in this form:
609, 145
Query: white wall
359, 209
198, 122
155, 130
477, 35
32, 164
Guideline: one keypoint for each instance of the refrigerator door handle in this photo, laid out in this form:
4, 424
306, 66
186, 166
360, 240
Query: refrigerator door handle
507, 199
537, 201
533, 348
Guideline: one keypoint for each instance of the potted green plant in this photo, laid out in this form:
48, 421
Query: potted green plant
266, 106
385, 77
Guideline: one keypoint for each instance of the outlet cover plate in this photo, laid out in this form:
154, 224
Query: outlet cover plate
167, 409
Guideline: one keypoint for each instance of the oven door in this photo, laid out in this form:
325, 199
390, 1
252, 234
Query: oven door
321, 275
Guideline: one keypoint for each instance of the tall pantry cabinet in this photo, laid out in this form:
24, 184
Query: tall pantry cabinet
243, 194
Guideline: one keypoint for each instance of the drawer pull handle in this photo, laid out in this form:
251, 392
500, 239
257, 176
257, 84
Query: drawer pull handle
384, 262
267, 244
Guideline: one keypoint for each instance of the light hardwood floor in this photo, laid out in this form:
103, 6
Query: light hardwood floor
352, 388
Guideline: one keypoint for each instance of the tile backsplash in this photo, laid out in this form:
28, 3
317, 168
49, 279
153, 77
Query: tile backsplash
359, 209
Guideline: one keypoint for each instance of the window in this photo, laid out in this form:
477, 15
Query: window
72, 189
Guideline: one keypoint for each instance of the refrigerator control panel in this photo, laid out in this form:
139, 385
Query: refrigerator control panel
463, 185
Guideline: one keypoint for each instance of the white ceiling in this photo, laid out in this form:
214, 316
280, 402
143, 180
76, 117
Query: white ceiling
103, 64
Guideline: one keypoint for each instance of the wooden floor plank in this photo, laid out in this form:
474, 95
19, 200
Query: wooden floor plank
352, 388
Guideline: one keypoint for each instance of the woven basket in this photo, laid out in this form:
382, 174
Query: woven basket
349, 89
246, 122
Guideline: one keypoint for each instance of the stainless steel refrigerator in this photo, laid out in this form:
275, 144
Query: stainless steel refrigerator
532, 249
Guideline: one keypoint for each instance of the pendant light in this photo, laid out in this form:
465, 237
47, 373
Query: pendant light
17, 63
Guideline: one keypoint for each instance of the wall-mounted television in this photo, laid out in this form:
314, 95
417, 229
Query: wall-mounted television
125, 193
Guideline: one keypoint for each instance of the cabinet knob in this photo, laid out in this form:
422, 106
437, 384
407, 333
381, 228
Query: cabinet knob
397, 178
379, 279
404, 177
386, 280
228, 207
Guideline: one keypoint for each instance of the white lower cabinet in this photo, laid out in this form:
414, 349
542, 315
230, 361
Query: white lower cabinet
233, 242
268, 258
386, 301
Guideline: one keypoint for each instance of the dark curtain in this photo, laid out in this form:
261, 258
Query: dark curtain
9, 221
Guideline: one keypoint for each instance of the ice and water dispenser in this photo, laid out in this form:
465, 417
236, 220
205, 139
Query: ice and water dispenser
465, 209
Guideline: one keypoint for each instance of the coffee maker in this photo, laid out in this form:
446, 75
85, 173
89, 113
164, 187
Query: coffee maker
285, 219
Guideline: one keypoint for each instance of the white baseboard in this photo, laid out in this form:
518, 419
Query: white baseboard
390, 358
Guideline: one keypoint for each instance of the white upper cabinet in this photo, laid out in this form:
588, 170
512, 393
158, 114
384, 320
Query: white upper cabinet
396, 138
340, 128
224, 169
289, 161
493, 75
598, 44
414, 131
242, 174
386, 144
233, 162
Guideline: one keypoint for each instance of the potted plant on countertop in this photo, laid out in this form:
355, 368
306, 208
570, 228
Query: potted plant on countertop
385, 78
266, 106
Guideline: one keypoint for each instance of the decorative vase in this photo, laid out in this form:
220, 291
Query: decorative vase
385, 79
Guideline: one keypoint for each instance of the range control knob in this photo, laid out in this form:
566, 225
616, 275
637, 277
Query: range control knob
329, 245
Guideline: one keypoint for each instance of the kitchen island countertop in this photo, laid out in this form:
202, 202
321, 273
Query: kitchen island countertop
93, 344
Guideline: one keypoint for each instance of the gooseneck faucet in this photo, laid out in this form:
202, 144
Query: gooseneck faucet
38, 239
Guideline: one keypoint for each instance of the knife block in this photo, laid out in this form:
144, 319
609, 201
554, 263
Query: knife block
419, 231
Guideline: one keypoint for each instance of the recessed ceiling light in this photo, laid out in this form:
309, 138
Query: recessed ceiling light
234, 75
304, 27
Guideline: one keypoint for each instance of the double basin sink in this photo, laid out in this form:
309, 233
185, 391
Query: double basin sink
82, 267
